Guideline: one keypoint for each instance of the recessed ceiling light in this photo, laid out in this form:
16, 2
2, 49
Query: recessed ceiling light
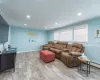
28, 16
79, 14
25, 24
56, 23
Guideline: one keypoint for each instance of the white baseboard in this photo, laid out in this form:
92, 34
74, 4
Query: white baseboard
95, 64
28, 51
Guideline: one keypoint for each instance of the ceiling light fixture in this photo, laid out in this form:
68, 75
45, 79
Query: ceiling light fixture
25, 24
79, 14
28, 16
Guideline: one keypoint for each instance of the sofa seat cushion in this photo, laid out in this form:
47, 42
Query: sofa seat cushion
55, 50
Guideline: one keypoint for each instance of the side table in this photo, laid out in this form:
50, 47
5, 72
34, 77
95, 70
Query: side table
87, 61
7, 60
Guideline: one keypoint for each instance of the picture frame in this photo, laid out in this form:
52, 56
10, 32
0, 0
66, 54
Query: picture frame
97, 33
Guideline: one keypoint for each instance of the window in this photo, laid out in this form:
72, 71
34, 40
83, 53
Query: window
66, 35
81, 33
56, 35
63, 35
78, 34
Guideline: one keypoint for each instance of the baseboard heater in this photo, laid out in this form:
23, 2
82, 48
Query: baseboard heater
95, 64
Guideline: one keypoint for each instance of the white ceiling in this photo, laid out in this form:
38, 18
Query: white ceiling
45, 13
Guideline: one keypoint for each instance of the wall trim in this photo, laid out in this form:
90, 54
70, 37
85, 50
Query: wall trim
27, 51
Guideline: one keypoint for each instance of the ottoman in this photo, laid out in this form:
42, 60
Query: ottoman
47, 56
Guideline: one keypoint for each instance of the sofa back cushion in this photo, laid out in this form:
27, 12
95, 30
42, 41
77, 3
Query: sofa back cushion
62, 42
50, 43
56, 46
60, 45
69, 47
76, 47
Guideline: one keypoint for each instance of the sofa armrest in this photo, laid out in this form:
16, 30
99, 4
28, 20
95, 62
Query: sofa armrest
75, 53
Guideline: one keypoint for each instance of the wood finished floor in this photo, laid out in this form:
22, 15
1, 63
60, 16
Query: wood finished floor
30, 67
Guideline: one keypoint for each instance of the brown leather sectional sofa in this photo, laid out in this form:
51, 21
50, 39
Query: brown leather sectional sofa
67, 53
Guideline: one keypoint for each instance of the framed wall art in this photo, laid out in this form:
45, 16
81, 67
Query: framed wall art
97, 33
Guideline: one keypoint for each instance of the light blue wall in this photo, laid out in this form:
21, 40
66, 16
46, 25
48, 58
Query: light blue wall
20, 39
92, 48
